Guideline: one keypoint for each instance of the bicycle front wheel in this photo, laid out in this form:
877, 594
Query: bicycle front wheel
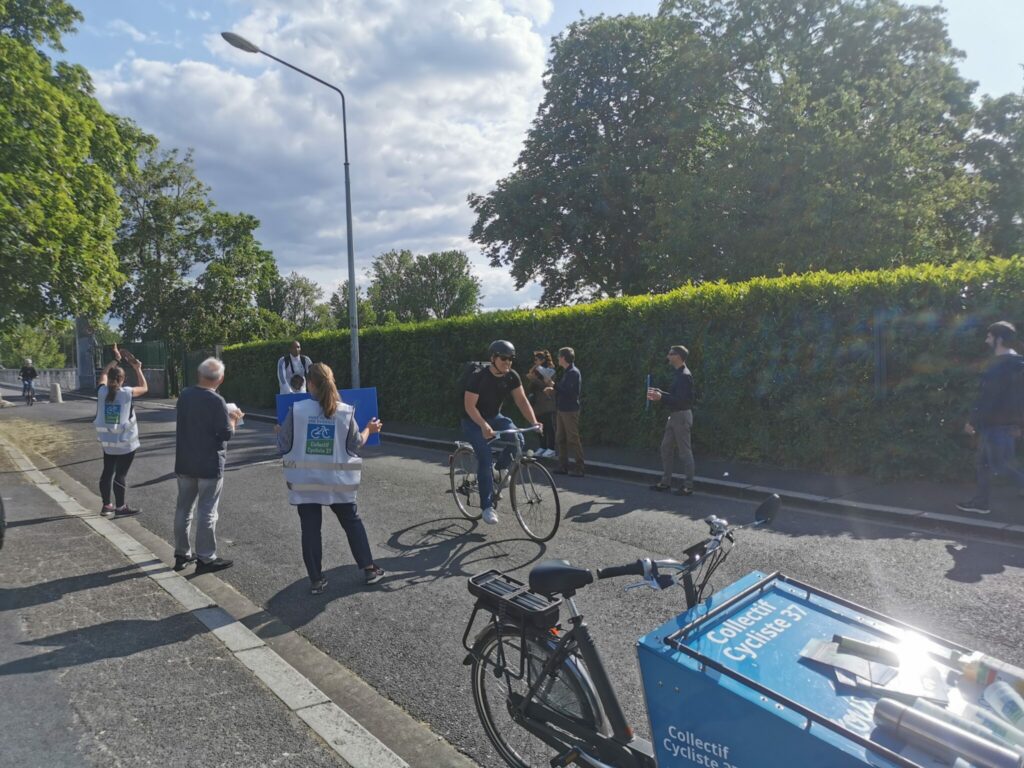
534, 499
564, 691
465, 486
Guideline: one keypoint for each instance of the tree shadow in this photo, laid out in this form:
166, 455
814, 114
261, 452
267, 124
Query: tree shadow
115, 639
50, 591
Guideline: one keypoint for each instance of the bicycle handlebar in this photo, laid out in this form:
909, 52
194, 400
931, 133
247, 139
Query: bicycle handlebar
515, 431
612, 571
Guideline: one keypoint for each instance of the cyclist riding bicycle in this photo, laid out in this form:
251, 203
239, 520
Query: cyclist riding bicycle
28, 376
482, 399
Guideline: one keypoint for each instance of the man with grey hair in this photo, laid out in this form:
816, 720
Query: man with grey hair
204, 427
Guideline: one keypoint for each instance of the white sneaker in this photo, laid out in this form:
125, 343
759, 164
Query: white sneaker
490, 516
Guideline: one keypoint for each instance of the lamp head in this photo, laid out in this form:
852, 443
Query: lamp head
239, 42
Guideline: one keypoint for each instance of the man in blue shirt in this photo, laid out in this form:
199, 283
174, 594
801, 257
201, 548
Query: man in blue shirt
679, 401
567, 414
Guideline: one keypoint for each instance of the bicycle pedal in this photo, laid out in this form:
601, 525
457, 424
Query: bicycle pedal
569, 758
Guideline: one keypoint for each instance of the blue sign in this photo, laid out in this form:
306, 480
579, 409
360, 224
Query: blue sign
364, 400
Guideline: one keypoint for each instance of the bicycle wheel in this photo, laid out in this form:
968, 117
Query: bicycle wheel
465, 488
565, 691
534, 499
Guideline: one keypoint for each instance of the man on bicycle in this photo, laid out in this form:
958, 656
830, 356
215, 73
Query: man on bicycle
28, 377
482, 399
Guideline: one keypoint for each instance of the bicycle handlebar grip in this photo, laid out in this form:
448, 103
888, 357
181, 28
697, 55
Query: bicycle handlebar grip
632, 569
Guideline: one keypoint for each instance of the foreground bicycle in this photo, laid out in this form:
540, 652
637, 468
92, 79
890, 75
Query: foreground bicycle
532, 492
541, 691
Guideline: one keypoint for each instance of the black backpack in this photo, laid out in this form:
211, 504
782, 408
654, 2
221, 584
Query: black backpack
467, 372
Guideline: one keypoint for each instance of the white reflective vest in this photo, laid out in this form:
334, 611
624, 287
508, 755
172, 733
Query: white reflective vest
116, 426
319, 469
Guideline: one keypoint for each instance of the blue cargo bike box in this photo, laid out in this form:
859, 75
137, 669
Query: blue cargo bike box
726, 685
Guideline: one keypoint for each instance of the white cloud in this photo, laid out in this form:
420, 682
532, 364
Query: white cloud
439, 97
121, 26
198, 15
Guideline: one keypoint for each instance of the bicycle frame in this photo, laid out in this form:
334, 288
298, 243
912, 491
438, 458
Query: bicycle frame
622, 749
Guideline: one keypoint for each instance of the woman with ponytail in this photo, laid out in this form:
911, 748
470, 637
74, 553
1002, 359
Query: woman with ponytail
117, 429
318, 442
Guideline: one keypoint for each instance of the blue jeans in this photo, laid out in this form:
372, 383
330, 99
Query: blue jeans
27, 385
484, 461
995, 456
310, 518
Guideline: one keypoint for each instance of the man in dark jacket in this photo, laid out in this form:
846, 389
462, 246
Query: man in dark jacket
679, 401
995, 417
567, 414
204, 427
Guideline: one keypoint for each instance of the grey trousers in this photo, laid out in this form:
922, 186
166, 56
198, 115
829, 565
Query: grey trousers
202, 494
677, 435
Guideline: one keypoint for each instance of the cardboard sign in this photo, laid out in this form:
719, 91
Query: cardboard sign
364, 400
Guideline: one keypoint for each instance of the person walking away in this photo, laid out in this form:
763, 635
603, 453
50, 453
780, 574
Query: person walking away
567, 416
117, 429
996, 417
28, 375
293, 364
204, 427
484, 394
318, 442
538, 386
679, 401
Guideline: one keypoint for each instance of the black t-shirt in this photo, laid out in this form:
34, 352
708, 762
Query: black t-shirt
492, 390
28, 373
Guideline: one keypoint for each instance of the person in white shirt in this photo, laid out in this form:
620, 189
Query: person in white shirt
293, 364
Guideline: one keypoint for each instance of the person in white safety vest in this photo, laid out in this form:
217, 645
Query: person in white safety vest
291, 365
318, 442
117, 429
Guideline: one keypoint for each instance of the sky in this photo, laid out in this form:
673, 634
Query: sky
439, 97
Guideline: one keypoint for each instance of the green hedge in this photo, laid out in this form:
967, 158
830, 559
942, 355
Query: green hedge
787, 368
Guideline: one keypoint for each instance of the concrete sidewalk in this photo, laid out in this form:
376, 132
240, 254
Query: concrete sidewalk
101, 666
108, 657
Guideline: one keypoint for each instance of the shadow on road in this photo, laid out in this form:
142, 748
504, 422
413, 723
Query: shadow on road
49, 591
110, 640
972, 562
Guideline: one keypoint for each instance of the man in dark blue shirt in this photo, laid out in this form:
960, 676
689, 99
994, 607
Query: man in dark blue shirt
994, 417
679, 401
567, 414
204, 427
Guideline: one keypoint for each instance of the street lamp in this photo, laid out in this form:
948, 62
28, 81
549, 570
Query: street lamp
353, 315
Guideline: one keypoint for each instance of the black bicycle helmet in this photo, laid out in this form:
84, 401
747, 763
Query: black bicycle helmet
501, 347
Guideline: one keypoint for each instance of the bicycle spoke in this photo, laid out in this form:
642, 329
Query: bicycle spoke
535, 501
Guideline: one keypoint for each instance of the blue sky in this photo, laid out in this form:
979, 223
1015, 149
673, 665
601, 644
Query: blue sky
440, 95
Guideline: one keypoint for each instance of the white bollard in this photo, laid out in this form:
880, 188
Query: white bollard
55, 395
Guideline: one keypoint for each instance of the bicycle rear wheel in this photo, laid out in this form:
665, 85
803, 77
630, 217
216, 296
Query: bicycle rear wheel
465, 486
564, 691
534, 499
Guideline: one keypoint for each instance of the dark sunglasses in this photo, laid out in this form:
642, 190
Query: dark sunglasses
506, 358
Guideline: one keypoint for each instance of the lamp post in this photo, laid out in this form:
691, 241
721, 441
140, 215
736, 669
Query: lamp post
353, 314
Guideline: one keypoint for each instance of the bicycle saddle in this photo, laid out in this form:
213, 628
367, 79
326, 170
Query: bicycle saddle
557, 576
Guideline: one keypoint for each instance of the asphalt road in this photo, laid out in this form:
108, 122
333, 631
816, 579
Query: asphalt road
404, 636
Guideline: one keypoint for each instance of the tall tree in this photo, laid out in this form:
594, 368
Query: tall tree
164, 235
997, 152
339, 307
224, 304
411, 288
728, 138
302, 299
842, 142
575, 212
42, 343
60, 154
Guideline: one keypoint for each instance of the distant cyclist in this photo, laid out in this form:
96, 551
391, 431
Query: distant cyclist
28, 377
485, 392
